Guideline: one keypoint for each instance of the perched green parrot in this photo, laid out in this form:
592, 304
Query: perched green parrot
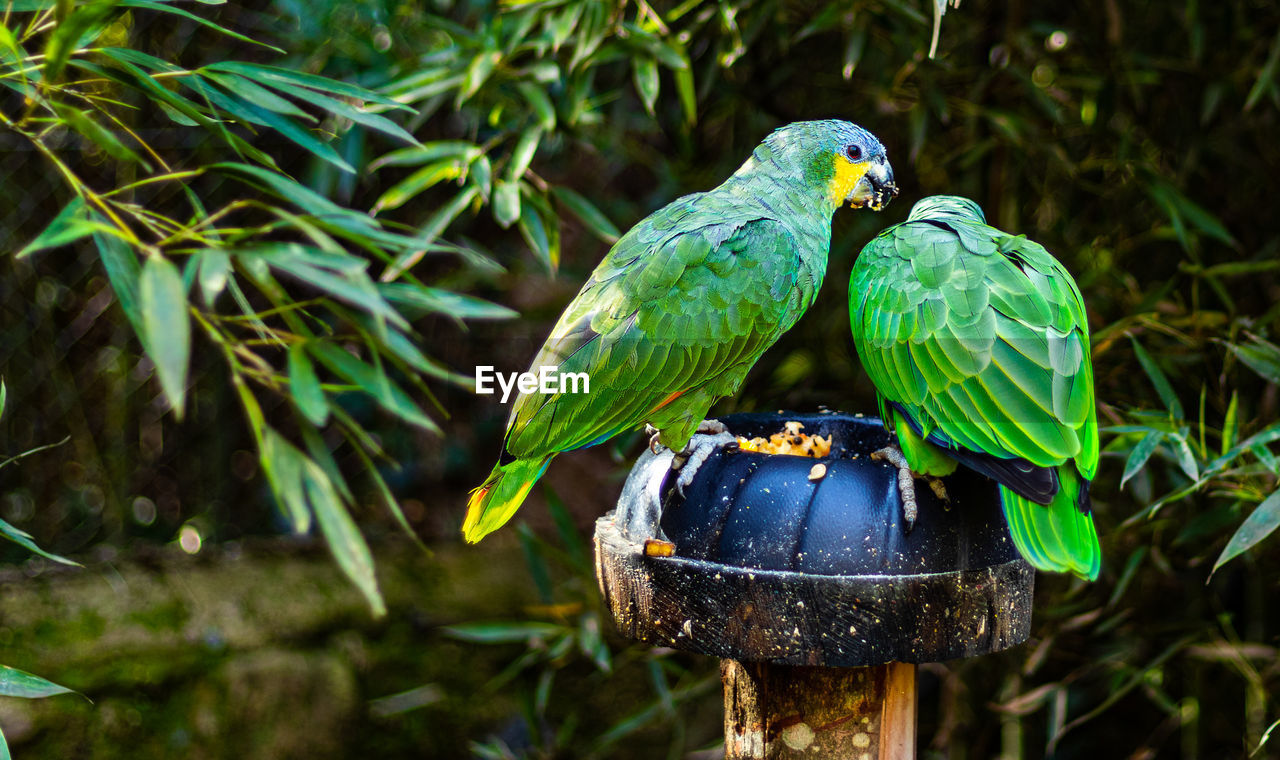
978, 346
685, 303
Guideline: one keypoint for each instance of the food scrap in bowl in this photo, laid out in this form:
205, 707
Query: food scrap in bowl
789, 442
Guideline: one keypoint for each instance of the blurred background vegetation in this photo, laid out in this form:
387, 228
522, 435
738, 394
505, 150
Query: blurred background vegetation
252, 252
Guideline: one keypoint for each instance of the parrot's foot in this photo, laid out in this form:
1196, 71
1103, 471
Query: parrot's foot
701, 446
940, 490
654, 434
906, 482
706, 427
711, 427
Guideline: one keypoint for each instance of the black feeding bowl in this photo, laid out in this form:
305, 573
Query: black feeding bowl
774, 563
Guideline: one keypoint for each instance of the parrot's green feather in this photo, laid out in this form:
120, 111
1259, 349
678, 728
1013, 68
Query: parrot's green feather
501, 494
1059, 535
980, 338
926, 458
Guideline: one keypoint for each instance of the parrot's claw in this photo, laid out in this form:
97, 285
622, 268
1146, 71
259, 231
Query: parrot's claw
654, 434
711, 427
906, 482
700, 447
940, 490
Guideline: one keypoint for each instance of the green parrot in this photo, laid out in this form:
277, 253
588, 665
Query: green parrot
685, 303
978, 346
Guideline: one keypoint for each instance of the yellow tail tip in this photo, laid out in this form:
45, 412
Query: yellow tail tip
499, 496
475, 508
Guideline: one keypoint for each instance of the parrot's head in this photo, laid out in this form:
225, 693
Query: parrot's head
947, 205
841, 161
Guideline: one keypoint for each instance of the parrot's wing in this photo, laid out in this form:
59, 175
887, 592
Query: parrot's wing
667, 312
981, 338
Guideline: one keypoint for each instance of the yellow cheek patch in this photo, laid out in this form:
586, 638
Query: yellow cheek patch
848, 174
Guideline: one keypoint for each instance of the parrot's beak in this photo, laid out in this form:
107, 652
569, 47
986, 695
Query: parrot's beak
876, 188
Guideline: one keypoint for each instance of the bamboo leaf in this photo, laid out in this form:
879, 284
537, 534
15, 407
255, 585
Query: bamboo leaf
427, 153
1257, 526
19, 683
26, 541
428, 233
75, 221
352, 223
478, 73
482, 175
644, 73
1231, 425
353, 287
256, 94
440, 301
340, 532
522, 153
273, 75
254, 114
502, 632
596, 222
283, 462
389, 500
305, 386
371, 381
167, 327
535, 235
1186, 458
1158, 379
97, 134
541, 103
416, 183
1266, 79
1261, 356
688, 95
1269, 434
215, 270
359, 116
506, 203
123, 272
84, 23
1264, 455
1140, 454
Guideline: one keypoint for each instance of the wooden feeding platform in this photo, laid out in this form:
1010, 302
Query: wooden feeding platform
800, 574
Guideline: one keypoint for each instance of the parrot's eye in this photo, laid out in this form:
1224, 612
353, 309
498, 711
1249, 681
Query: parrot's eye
854, 152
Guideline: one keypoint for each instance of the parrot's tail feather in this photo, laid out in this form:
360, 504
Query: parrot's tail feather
1058, 537
500, 495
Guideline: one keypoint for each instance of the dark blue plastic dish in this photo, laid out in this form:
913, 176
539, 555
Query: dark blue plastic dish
761, 511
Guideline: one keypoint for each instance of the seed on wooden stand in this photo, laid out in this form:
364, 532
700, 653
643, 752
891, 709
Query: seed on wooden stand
656, 548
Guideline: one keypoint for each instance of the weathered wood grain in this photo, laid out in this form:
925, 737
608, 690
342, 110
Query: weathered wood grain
779, 712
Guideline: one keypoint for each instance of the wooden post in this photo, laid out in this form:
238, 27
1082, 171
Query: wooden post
778, 712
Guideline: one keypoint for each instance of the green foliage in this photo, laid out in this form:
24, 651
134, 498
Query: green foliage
1243, 470
17, 683
575, 629
276, 278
